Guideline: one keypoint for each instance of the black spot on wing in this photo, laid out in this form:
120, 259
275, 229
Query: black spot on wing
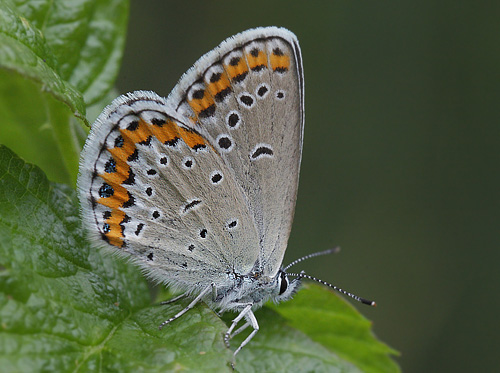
191, 205
261, 151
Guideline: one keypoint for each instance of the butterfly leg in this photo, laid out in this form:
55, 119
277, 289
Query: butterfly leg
235, 322
236, 332
189, 306
214, 293
240, 329
174, 299
250, 321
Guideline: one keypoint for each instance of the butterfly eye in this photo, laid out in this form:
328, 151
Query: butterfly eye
284, 282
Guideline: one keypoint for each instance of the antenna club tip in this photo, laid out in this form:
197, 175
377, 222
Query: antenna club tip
368, 302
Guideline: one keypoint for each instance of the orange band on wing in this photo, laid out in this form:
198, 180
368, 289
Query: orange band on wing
279, 62
256, 59
118, 198
191, 138
219, 86
202, 104
139, 132
237, 69
115, 232
167, 132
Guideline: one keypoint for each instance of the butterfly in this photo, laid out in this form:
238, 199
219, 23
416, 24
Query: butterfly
199, 189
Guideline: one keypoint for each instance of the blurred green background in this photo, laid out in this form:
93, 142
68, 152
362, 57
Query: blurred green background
400, 164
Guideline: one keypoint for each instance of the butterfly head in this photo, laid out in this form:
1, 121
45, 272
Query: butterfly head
285, 288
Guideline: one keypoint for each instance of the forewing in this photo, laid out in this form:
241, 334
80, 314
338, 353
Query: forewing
246, 98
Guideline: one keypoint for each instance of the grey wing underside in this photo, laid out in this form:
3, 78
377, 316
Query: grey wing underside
254, 116
202, 186
154, 189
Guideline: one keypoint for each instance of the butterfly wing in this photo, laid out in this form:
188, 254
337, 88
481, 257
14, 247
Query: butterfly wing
156, 189
203, 184
246, 98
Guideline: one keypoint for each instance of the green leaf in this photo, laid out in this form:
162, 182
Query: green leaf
65, 306
25, 51
56, 57
28, 123
334, 323
278, 347
87, 38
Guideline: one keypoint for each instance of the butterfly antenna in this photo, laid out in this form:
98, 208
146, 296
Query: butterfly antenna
355, 297
334, 250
